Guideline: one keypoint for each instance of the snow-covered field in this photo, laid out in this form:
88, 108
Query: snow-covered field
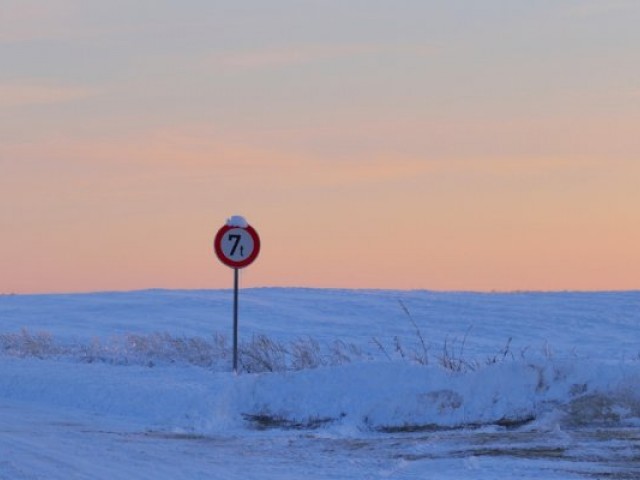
335, 384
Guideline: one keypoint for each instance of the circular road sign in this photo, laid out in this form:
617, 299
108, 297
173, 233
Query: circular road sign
237, 246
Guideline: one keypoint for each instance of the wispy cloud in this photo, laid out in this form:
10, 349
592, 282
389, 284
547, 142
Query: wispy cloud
30, 20
24, 21
599, 7
635, 93
16, 95
288, 56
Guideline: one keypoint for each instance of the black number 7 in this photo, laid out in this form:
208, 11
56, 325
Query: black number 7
236, 240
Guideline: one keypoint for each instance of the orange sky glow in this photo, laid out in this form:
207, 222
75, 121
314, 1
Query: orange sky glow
428, 147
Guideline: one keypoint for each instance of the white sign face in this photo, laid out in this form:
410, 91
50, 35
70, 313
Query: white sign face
237, 244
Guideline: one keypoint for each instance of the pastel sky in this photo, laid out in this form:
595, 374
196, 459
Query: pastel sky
448, 145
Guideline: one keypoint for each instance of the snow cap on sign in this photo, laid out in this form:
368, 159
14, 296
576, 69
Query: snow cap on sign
237, 221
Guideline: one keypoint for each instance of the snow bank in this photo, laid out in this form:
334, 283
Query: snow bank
374, 396
165, 380
400, 397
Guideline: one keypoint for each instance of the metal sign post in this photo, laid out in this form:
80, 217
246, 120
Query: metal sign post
235, 320
237, 245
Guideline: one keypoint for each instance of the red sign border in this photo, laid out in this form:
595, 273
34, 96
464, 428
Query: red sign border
217, 246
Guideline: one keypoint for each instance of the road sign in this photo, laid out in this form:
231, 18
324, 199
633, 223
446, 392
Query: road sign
237, 246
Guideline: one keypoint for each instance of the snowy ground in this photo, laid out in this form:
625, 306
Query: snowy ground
366, 384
